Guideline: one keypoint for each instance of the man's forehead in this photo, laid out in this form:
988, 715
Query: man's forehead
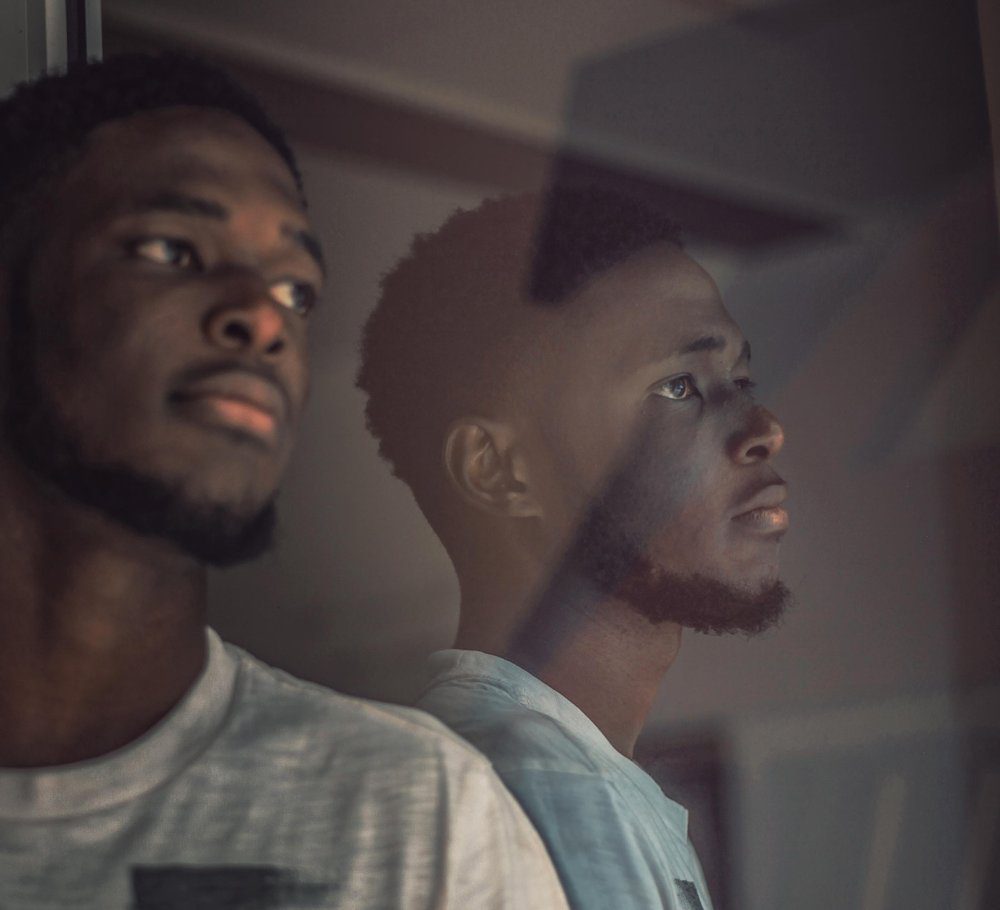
186, 124
644, 285
183, 148
654, 303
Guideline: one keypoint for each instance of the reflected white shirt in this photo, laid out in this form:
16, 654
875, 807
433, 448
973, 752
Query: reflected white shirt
616, 840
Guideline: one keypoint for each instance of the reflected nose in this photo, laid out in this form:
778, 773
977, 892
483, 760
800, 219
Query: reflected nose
761, 438
251, 325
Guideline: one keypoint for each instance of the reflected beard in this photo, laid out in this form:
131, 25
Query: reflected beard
215, 534
703, 604
614, 559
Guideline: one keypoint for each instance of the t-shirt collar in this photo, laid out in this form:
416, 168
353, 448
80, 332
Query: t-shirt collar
122, 775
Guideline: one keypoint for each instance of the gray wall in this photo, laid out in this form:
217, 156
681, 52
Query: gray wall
35, 38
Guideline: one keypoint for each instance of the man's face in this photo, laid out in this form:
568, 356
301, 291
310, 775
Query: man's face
163, 323
653, 455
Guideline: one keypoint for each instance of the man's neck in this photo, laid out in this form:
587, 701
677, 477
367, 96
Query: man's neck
101, 631
598, 652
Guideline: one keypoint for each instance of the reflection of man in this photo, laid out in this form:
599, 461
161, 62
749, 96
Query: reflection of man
157, 274
572, 408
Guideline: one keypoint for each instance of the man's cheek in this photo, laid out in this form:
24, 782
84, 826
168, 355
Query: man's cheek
666, 481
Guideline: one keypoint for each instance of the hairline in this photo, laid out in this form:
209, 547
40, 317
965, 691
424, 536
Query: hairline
22, 248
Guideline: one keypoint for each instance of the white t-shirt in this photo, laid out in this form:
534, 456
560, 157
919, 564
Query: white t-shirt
262, 791
616, 840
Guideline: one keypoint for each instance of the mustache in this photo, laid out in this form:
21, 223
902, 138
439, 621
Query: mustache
753, 490
200, 372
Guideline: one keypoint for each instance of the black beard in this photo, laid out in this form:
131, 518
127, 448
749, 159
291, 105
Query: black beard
608, 560
211, 533
615, 563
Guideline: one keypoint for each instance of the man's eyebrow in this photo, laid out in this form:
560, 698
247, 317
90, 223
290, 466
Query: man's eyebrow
705, 343
713, 343
206, 208
183, 204
307, 242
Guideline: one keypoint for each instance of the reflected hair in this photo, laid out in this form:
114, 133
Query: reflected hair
446, 334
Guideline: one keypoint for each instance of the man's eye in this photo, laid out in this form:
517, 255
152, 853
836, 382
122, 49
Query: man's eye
298, 296
166, 251
677, 388
746, 384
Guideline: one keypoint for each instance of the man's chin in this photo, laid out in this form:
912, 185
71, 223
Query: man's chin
616, 566
218, 534
213, 533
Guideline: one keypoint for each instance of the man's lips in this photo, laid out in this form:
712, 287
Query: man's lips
763, 511
238, 399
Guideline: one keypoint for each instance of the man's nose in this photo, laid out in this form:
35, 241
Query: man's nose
248, 321
760, 439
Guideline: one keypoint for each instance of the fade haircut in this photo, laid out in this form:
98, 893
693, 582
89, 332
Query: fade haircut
44, 124
449, 329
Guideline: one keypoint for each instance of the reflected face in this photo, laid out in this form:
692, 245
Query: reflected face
165, 316
654, 457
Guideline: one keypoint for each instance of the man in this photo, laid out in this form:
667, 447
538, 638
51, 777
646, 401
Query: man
156, 278
565, 394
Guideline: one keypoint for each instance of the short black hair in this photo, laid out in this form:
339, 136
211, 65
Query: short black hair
45, 123
445, 331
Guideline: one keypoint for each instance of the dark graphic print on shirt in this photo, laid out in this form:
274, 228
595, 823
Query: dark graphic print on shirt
689, 895
224, 888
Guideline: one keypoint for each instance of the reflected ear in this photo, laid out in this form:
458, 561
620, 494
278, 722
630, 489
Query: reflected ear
487, 468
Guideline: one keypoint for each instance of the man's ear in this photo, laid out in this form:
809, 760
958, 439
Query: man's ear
487, 468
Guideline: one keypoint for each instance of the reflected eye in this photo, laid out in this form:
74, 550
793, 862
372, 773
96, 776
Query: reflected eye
677, 388
166, 251
298, 296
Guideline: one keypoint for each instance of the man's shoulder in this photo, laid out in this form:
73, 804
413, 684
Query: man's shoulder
513, 735
277, 709
401, 795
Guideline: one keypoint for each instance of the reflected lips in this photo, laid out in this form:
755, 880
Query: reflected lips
771, 519
765, 513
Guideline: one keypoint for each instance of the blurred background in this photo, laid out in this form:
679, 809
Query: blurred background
831, 163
